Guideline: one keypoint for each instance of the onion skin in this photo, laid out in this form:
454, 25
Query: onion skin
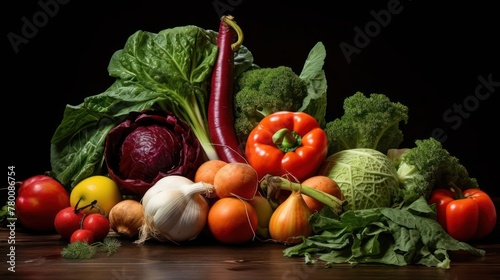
126, 218
290, 221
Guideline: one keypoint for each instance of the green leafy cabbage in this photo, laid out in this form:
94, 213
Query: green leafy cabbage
366, 177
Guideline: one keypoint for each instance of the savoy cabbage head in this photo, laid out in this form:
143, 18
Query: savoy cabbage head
366, 177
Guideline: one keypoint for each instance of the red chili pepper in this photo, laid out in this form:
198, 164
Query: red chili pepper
465, 215
220, 107
287, 143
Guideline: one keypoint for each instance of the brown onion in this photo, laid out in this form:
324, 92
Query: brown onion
126, 217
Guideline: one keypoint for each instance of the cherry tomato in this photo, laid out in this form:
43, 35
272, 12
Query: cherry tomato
67, 221
232, 220
98, 224
39, 200
82, 235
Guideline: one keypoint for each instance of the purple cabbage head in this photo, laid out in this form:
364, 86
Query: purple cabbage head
148, 146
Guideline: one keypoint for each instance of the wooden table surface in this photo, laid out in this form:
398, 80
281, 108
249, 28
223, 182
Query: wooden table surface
39, 257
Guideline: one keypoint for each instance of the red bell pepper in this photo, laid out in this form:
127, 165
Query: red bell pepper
465, 215
287, 143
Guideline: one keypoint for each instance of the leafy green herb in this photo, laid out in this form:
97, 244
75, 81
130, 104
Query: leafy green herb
110, 246
81, 250
394, 236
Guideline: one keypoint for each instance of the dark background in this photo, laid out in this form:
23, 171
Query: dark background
428, 56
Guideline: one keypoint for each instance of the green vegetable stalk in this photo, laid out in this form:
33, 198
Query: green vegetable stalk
271, 184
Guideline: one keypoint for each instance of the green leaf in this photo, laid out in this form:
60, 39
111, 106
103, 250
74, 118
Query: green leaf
77, 149
315, 102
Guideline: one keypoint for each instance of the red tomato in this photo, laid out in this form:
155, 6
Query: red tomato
39, 200
82, 235
232, 220
68, 221
98, 224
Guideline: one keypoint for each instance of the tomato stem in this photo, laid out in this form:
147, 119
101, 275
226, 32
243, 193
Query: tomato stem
91, 205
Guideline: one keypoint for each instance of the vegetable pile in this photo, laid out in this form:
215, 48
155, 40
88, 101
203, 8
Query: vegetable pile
194, 138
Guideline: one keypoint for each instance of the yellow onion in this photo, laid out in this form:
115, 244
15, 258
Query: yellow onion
126, 218
290, 221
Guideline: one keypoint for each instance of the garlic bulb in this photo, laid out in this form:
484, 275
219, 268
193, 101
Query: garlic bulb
174, 209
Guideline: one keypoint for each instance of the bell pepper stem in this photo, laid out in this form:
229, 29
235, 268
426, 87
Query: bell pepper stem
457, 190
286, 140
270, 183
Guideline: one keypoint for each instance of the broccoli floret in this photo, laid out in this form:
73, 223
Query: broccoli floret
368, 122
429, 165
260, 92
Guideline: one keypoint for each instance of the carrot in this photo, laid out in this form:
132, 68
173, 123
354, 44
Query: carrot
220, 107
322, 183
236, 179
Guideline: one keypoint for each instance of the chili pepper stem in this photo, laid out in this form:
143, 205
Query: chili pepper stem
229, 20
277, 182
